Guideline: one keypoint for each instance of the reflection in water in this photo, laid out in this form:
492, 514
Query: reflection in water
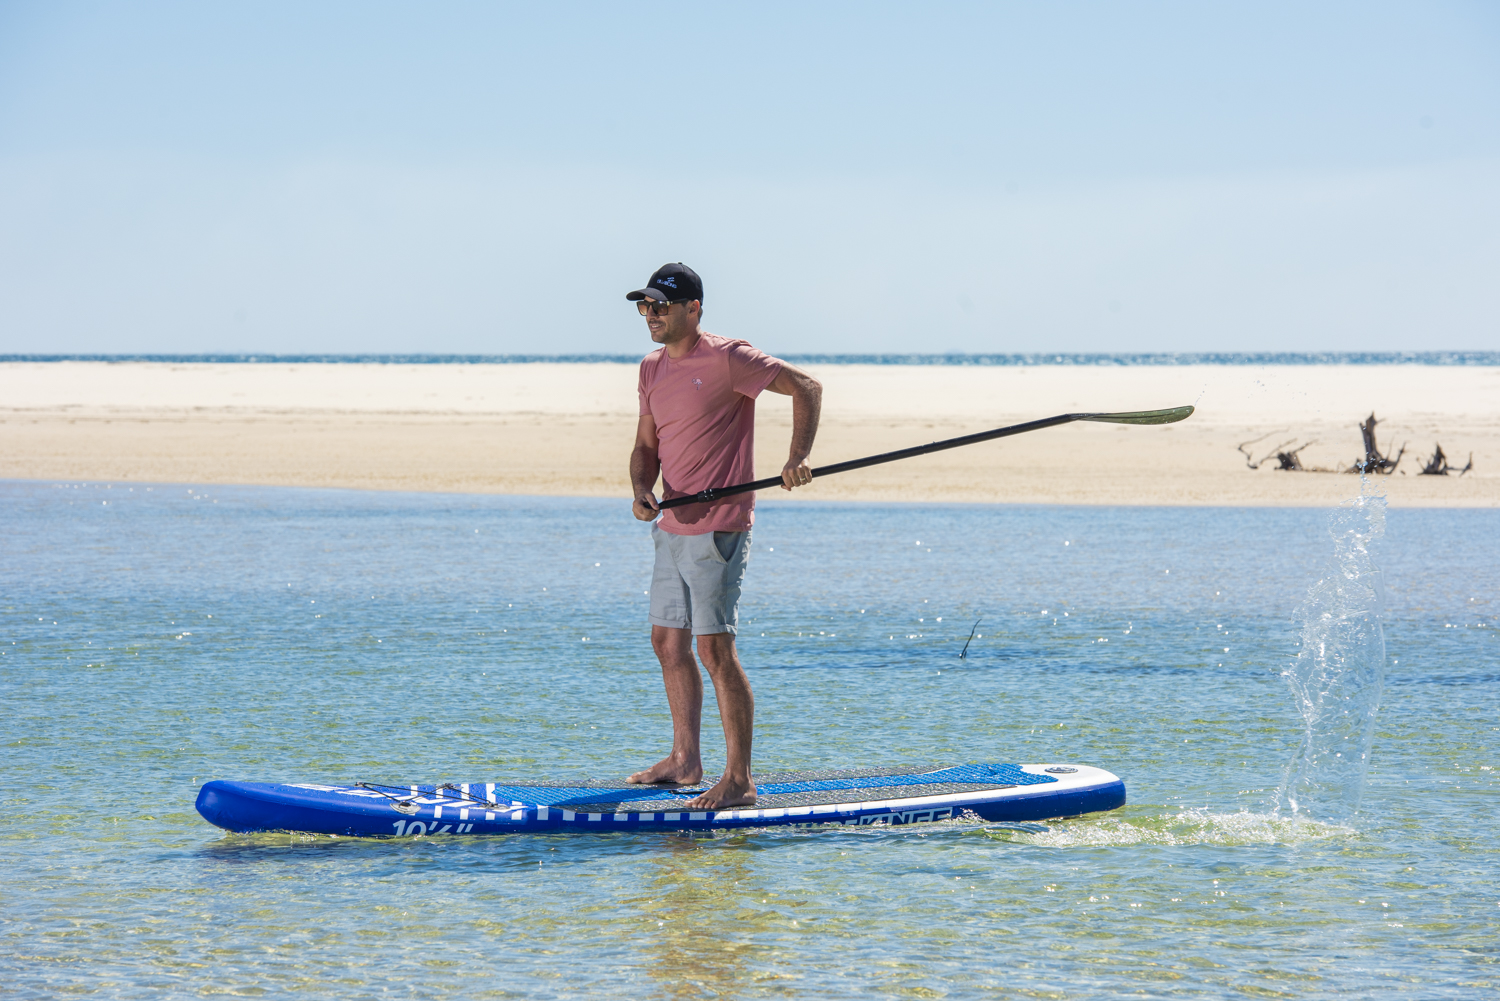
694, 919
1339, 672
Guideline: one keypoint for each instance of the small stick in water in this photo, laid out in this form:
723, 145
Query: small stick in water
965, 650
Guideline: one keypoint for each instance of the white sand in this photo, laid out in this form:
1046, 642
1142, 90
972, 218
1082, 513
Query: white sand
567, 429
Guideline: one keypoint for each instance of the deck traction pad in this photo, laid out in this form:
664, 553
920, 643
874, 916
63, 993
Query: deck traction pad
774, 801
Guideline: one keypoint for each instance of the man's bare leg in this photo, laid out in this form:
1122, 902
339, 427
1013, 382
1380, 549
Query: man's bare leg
679, 672
737, 711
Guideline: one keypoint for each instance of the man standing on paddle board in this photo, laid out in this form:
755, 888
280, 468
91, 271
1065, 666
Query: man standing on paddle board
697, 430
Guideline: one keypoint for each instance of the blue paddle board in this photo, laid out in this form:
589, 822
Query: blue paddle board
851, 797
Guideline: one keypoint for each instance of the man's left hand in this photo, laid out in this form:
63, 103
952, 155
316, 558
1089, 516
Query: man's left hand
796, 473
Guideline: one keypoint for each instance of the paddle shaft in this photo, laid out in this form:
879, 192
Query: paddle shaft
714, 493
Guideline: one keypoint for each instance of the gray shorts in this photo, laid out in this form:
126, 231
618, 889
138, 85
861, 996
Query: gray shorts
696, 580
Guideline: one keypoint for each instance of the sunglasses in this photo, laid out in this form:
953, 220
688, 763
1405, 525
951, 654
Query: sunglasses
650, 307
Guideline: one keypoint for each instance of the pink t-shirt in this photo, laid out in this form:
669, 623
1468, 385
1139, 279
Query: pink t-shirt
704, 407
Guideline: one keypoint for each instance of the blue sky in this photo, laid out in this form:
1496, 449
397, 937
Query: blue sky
491, 178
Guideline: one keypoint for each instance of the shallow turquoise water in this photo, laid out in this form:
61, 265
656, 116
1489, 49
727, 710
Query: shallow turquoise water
150, 640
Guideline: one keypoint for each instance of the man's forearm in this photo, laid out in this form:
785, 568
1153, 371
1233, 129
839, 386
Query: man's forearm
645, 466
807, 404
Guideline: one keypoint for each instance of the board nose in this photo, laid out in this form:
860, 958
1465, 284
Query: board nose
216, 804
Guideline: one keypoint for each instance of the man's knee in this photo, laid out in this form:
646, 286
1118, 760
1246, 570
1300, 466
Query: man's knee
716, 650
670, 642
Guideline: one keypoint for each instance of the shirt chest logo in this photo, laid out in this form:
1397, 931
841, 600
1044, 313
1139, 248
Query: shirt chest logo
697, 383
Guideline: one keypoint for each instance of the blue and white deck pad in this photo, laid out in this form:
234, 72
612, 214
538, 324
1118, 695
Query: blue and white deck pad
914, 795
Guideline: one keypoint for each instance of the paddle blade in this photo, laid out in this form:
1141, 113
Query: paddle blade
1142, 416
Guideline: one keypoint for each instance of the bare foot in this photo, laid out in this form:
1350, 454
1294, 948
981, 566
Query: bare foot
670, 771
725, 794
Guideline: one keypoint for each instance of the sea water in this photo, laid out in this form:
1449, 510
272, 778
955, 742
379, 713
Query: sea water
152, 638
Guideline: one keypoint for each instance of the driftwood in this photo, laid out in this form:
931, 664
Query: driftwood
1289, 460
1438, 464
1250, 459
1374, 461
1285, 458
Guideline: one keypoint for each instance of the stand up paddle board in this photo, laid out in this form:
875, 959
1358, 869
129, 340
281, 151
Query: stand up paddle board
997, 792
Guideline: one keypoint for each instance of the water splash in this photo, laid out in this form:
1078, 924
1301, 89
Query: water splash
1185, 827
1339, 672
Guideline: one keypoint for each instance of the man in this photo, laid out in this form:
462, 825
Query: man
697, 429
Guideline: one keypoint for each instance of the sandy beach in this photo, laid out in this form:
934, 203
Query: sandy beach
567, 429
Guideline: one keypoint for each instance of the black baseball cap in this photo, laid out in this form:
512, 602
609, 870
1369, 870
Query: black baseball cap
671, 281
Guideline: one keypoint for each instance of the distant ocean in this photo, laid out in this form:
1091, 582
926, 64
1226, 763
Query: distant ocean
1451, 358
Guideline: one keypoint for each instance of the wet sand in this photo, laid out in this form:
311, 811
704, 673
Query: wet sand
567, 429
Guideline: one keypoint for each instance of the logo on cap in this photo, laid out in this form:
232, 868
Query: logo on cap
668, 282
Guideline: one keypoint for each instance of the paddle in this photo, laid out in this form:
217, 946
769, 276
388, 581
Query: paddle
1136, 417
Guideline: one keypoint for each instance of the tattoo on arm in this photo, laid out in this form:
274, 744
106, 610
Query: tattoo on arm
645, 466
807, 405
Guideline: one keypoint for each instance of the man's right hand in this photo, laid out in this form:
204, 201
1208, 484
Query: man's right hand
645, 507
